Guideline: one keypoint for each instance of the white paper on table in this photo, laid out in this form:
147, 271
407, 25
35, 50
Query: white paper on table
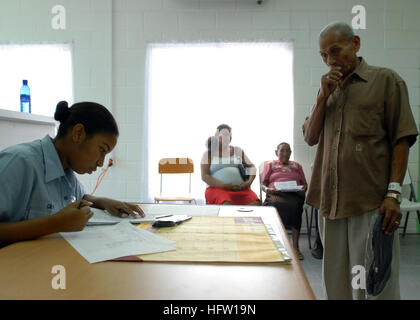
101, 217
287, 186
190, 210
100, 243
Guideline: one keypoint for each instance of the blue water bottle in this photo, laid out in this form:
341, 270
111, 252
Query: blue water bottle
25, 98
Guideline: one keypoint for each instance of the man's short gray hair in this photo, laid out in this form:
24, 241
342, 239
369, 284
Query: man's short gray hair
342, 29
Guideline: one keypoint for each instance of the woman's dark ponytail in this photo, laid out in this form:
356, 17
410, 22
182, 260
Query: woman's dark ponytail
94, 117
61, 111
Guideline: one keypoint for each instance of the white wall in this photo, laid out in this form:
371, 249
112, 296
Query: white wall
391, 39
16, 127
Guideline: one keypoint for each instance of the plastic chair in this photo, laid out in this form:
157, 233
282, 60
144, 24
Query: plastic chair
261, 170
409, 201
175, 166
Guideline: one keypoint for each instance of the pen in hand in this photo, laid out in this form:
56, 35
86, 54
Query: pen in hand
73, 200
83, 203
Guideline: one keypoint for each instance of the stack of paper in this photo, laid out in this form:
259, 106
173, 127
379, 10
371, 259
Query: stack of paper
287, 186
100, 243
101, 217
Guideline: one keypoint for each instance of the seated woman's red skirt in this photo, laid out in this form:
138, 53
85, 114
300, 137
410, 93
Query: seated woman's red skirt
219, 195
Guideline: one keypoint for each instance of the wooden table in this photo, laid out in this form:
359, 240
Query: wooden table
26, 273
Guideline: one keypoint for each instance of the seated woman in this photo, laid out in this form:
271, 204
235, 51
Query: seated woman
39, 192
288, 204
221, 169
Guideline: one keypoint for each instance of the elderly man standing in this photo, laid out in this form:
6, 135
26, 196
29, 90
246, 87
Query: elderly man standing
364, 127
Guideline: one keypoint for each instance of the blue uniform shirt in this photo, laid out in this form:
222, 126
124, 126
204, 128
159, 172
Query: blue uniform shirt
33, 182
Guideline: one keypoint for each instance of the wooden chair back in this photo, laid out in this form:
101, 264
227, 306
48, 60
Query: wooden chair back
176, 165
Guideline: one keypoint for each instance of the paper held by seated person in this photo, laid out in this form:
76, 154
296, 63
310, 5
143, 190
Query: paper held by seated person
287, 186
106, 242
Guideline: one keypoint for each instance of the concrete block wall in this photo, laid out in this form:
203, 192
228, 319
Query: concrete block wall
391, 39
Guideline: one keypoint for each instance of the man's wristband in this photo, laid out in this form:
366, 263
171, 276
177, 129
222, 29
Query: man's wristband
394, 186
395, 196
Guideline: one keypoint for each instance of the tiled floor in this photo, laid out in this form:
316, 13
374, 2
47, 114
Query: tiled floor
409, 267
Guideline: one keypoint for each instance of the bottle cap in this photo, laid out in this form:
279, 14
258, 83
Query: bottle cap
25, 82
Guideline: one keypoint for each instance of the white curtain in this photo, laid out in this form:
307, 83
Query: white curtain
48, 69
194, 87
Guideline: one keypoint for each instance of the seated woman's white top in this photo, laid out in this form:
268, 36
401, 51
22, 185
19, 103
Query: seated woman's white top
226, 170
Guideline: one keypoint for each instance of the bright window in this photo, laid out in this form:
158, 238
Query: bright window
192, 88
48, 69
